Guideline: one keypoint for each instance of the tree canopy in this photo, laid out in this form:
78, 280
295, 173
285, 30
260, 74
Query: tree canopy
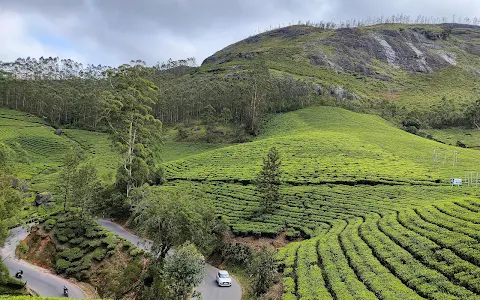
171, 218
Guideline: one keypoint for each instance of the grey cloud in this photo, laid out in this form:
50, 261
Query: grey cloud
115, 31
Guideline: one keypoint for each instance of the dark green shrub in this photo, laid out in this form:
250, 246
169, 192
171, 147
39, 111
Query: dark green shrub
236, 254
99, 254
72, 254
62, 238
77, 241
127, 246
62, 265
49, 224
91, 244
136, 252
292, 234
110, 241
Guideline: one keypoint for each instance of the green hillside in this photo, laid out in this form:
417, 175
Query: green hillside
326, 144
379, 217
410, 66
369, 212
39, 152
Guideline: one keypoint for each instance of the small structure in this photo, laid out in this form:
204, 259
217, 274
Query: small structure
456, 181
471, 178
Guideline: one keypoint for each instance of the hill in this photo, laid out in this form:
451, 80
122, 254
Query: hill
38, 153
423, 76
379, 217
411, 67
329, 145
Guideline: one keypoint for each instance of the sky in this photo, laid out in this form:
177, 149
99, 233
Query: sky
113, 32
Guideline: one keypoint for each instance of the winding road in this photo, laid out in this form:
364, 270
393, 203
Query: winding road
208, 288
47, 284
38, 279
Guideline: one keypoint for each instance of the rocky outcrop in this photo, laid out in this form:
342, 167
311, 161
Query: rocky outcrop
414, 49
408, 50
41, 199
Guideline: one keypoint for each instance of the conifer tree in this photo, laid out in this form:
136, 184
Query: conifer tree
268, 180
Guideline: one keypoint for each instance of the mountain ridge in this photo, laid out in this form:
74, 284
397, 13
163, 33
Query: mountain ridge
398, 63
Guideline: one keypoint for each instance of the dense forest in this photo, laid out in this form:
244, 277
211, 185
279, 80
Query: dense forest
67, 93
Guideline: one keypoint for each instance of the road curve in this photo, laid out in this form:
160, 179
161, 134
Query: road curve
38, 279
208, 288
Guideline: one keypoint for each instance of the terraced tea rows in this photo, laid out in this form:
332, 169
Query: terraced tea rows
363, 241
391, 260
39, 151
330, 145
378, 218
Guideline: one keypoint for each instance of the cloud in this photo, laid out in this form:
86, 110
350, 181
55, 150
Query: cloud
116, 31
17, 41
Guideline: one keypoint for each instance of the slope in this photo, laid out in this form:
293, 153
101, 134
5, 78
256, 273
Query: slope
379, 217
410, 66
39, 152
327, 144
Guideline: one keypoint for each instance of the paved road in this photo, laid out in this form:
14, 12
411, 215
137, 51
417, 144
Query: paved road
208, 288
38, 279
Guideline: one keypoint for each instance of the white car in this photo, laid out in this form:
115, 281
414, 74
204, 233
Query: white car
223, 278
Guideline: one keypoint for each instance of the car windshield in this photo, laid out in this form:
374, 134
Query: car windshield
223, 275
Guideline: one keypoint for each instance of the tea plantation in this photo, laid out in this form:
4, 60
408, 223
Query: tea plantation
39, 152
370, 214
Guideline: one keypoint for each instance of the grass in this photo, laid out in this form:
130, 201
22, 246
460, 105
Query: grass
98, 150
38, 155
470, 137
39, 152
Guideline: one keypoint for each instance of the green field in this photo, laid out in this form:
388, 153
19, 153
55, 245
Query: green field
379, 217
376, 215
38, 155
470, 137
39, 152
330, 145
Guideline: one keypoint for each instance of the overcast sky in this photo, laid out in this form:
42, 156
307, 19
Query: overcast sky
115, 31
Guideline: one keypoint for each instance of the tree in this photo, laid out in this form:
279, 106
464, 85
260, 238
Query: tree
10, 198
183, 271
268, 180
86, 191
209, 119
171, 218
473, 114
70, 163
443, 113
127, 113
260, 86
226, 115
263, 270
